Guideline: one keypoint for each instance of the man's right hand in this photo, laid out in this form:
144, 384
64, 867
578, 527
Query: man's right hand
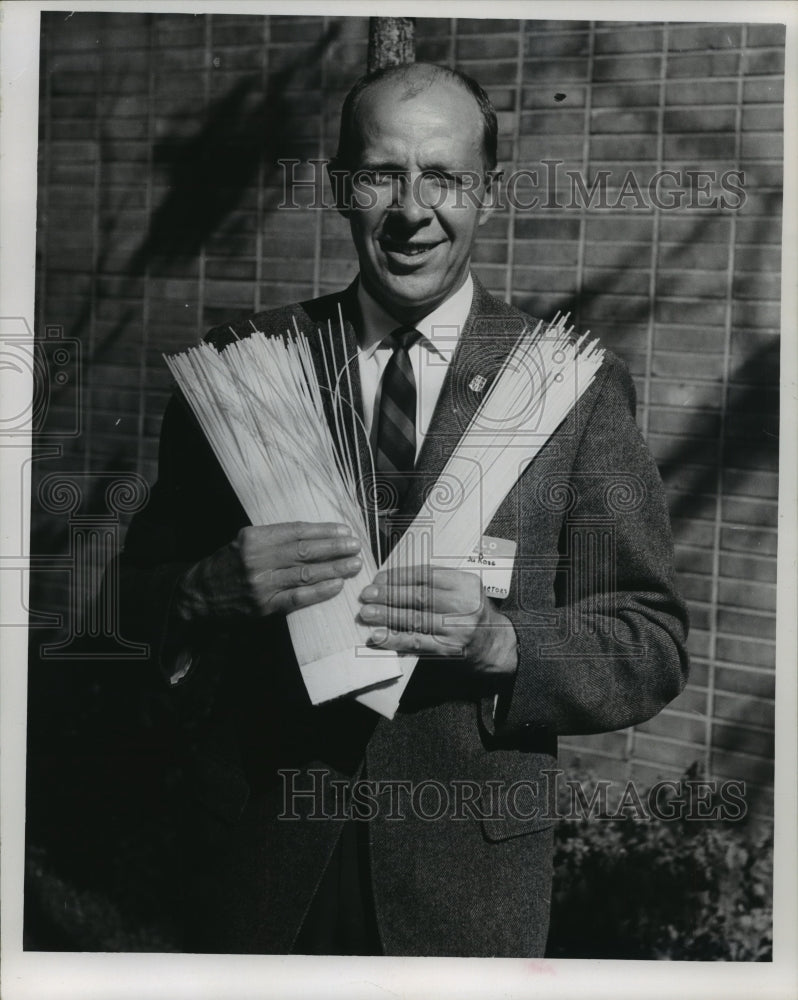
270, 569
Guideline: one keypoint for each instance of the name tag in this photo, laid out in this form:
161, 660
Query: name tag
493, 559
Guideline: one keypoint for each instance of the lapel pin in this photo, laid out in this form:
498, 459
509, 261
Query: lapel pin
477, 383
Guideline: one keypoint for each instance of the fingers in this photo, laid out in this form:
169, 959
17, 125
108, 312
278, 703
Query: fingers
402, 619
309, 574
418, 643
279, 546
425, 588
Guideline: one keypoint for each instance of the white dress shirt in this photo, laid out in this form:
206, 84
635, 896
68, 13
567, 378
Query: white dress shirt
430, 355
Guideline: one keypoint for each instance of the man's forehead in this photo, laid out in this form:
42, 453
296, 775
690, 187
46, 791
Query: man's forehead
438, 113
407, 95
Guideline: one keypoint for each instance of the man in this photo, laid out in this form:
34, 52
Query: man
590, 637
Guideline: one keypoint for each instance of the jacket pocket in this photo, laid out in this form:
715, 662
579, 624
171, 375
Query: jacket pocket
518, 797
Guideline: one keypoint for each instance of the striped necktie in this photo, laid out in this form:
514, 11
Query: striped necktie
395, 424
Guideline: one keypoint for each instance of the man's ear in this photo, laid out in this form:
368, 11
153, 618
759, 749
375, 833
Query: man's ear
341, 183
493, 180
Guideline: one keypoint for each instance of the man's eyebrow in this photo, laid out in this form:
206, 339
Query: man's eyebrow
387, 165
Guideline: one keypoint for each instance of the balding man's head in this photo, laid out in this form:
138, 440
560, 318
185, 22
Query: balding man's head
411, 80
415, 181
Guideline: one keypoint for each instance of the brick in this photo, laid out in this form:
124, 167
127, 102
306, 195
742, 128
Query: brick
690, 560
757, 258
627, 147
763, 90
710, 92
556, 280
759, 683
750, 626
554, 254
691, 284
678, 727
699, 672
756, 484
695, 254
700, 146
626, 40
742, 768
691, 532
547, 45
742, 739
541, 228
692, 700
687, 312
703, 65
714, 119
698, 646
764, 315
709, 37
610, 120
747, 594
487, 26
757, 285
766, 35
488, 47
557, 121
700, 230
765, 204
599, 281
761, 176
533, 148
624, 229
758, 230
656, 750
626, 68
763, 118
763, 62
624, 95
185, 30
741, 538
665, 365
559, 72
762, 146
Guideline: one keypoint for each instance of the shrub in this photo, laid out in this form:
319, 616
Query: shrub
661, 889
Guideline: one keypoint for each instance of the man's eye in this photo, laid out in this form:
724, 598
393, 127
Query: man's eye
378, 177
441, 179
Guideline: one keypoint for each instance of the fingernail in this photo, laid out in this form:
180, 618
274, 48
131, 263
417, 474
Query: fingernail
368, 612
352, 564
352, 545
343, 529
378, 635
369, 593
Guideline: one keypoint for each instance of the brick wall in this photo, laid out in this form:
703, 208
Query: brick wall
159, 187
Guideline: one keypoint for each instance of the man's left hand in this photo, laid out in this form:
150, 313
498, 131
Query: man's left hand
440, 612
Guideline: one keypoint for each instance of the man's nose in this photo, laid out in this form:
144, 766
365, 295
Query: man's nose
409, 202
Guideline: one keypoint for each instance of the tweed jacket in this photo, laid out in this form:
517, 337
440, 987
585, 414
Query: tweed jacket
601, 634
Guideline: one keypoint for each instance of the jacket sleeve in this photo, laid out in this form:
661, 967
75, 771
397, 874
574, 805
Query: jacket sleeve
191, 512
609, 652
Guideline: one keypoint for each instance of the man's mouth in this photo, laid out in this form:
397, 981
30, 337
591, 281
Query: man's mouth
408, 248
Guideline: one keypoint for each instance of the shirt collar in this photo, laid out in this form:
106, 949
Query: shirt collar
439, 329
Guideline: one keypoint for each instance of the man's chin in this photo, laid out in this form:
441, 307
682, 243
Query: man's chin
418, 292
